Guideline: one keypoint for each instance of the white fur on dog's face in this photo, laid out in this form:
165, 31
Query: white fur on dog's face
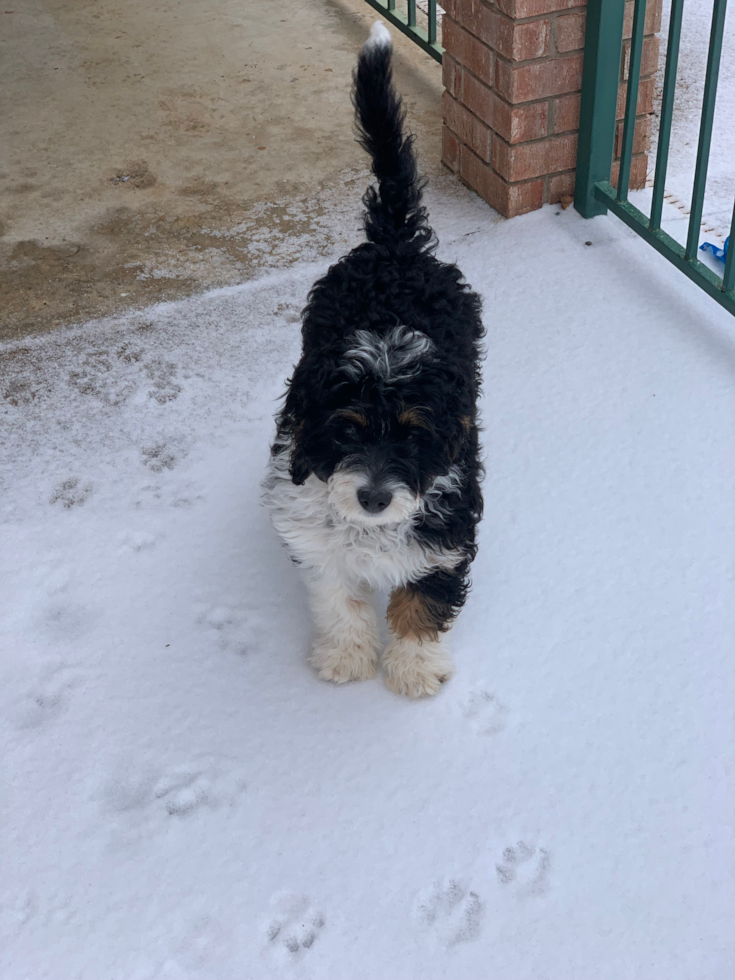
342, 490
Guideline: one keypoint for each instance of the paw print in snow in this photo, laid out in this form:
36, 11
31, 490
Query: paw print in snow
158, 457
448, 912
296, 925
46, 700
180, 792
524, 867
70, 493
229, 625
486, 714
162, 375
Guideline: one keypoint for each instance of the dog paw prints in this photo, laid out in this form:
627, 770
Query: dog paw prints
289, 312
485, 712
96, 376
41, 703
71, 492
295, 925
448, 912
162, 375
178, 793
524, 868
228, 625
158, 457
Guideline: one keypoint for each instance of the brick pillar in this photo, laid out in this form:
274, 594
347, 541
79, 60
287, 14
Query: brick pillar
512, 76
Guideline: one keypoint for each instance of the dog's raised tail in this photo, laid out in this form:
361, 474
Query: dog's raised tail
394, 215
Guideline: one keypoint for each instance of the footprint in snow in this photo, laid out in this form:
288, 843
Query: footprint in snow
46, 699
485, 712
229, 625
71, 492
295, 924
524, 868
177, 793
449, 912
158, 457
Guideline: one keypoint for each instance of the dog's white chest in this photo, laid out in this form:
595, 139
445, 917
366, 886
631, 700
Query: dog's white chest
383, 556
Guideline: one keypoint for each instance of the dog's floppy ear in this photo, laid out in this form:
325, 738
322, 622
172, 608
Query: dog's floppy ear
299, 467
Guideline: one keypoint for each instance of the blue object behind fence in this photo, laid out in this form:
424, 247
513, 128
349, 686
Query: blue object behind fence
719, 253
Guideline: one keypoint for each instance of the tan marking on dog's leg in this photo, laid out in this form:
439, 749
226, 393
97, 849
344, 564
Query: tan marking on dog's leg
345, 632
417, 661
416, 616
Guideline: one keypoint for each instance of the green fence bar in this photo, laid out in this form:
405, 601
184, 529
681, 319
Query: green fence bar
705, 129
709, 281
406, 23
728, 282
631, 103
667, 110
593, 192
432, 21
602, 48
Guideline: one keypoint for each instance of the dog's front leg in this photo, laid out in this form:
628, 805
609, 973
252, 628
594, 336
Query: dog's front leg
345, 631
417, 661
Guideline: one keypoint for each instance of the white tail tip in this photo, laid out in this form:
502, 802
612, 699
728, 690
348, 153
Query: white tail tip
379, 36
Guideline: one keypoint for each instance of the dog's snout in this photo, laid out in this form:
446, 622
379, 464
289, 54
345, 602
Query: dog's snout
374, 501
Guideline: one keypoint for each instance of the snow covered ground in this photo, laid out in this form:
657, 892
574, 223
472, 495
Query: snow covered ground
182, 798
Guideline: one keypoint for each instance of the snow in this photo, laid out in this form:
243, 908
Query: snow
184, 799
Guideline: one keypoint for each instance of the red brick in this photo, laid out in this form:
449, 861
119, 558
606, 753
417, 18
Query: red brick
570, 32
645, 97
527, 160
535, 8
509, 199
450, 149
516, 124
521, 42
468, 51
476, 18
561, 185
652, 23
518, 42
451, 76
467, 127
641, 137
566, 113
525, 83
451, 9
638, 172
649, 57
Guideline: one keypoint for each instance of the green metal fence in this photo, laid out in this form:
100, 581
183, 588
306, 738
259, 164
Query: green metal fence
408, 22
594, 194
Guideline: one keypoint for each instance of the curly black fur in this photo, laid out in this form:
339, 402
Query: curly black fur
422, 426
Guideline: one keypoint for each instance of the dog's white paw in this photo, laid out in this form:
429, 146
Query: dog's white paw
416, 669
341, 664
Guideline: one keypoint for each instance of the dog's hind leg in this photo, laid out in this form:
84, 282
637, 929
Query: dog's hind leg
345, 645
417, 661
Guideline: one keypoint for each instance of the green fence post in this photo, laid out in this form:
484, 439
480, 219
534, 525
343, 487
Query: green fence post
600, 78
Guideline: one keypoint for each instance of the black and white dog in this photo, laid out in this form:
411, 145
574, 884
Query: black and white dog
374, 474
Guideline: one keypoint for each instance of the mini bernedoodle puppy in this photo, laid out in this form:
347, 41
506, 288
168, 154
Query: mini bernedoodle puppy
374, 475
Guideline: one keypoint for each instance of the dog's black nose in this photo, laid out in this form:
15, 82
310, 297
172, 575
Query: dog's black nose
374, 501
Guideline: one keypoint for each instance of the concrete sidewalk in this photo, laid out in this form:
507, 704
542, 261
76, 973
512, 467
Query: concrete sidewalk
152, 150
